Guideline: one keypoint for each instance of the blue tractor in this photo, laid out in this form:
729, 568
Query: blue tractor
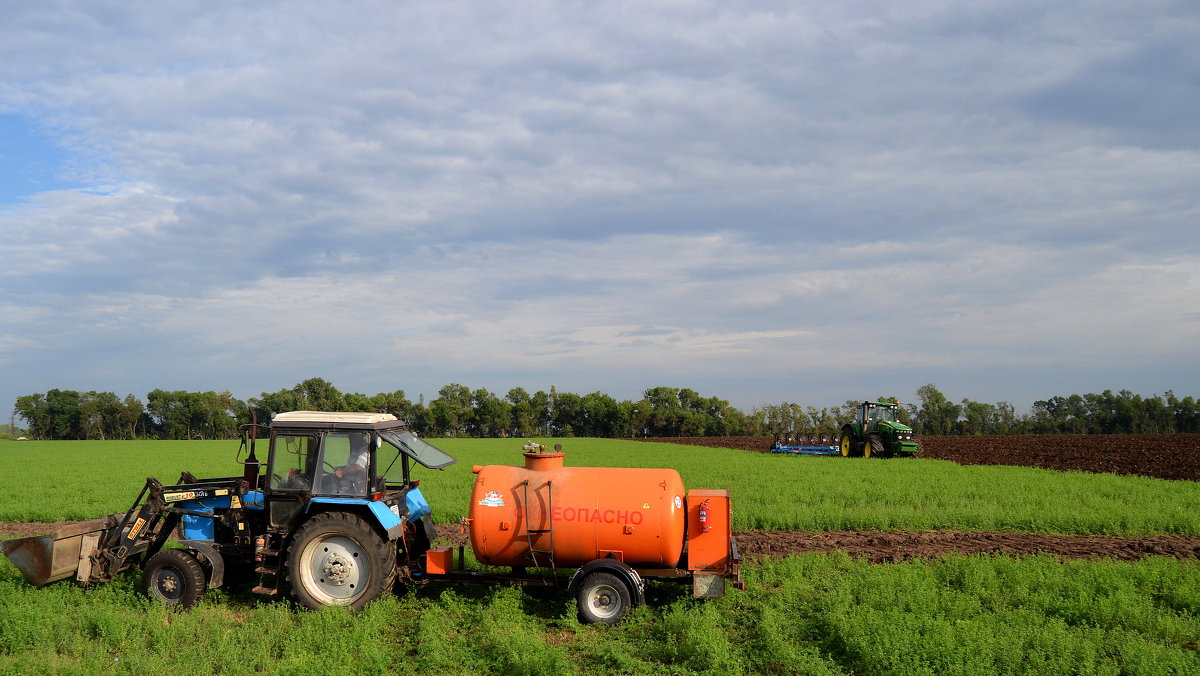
333, 511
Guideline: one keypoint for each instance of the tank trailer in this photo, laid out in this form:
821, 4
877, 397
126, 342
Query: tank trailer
334, 517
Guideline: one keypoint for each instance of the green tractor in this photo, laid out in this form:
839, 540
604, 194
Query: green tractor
876, 431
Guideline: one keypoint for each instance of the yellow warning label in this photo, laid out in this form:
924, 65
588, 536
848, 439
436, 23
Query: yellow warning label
646, 505
137, 527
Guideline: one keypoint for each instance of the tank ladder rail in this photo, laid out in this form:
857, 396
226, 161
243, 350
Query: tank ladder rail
530, 532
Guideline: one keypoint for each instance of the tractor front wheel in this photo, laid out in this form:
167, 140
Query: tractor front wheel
846, 446
603, 597
174, 577
338, 559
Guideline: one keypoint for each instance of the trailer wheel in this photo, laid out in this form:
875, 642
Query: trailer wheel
602, 597
174, 577
337, 559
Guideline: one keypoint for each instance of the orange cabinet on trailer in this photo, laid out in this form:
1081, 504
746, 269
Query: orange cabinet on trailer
709, 530
524, 516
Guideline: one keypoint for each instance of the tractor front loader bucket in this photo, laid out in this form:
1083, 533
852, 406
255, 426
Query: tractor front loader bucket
65, 552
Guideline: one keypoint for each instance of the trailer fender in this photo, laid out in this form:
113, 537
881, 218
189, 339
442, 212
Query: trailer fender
214, 559
637, 587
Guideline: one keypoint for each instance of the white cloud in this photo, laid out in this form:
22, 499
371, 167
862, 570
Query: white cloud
620, 192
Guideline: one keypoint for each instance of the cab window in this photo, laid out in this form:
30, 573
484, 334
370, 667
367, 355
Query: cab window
345, 464
293, 462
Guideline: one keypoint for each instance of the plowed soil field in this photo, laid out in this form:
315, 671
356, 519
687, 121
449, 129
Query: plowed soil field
1163, 456
892, 546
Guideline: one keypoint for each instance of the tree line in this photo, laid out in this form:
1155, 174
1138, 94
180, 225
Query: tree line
661, 412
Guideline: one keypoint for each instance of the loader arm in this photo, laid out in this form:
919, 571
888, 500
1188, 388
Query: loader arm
96, 551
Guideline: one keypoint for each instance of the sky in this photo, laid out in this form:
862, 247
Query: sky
762, 201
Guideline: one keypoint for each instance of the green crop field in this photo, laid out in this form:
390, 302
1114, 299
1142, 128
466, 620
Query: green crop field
813, 613
805, 614
72, 480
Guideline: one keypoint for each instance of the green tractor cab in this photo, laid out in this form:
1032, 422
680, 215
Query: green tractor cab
875, 430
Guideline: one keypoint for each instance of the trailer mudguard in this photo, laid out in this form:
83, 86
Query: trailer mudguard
637, 587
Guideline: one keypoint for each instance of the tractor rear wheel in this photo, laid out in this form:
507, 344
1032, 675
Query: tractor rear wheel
174, 577
603, 597
874, 446
338, 559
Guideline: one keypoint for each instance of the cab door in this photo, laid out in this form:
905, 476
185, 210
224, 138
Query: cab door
292, 469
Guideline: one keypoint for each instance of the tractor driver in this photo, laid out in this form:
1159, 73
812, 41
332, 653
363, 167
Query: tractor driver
351, 478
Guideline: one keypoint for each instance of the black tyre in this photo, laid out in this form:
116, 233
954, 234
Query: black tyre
603, 597
174, 577
338, 559
873, 446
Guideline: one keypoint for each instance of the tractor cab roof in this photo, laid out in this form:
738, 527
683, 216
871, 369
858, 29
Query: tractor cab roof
889, 404
356, 421
324, 418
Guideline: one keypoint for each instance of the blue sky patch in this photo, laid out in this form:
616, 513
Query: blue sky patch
30, 162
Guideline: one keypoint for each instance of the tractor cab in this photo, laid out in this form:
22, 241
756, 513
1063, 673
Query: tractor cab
875, 412
347, 455
318, 459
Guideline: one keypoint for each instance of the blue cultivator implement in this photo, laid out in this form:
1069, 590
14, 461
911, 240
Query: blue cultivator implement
806, 446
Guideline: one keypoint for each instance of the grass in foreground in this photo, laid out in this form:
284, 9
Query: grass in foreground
81, 480
817, 614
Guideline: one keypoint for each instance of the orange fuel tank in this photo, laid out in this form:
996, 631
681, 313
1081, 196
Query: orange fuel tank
576, 514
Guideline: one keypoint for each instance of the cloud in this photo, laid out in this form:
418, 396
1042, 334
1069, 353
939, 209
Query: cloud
1149, 94
610, 195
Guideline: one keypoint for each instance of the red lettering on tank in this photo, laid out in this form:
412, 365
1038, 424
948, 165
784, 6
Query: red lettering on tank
558, 514
622, 517
569, 514
636, 518
595, 516
609, 515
